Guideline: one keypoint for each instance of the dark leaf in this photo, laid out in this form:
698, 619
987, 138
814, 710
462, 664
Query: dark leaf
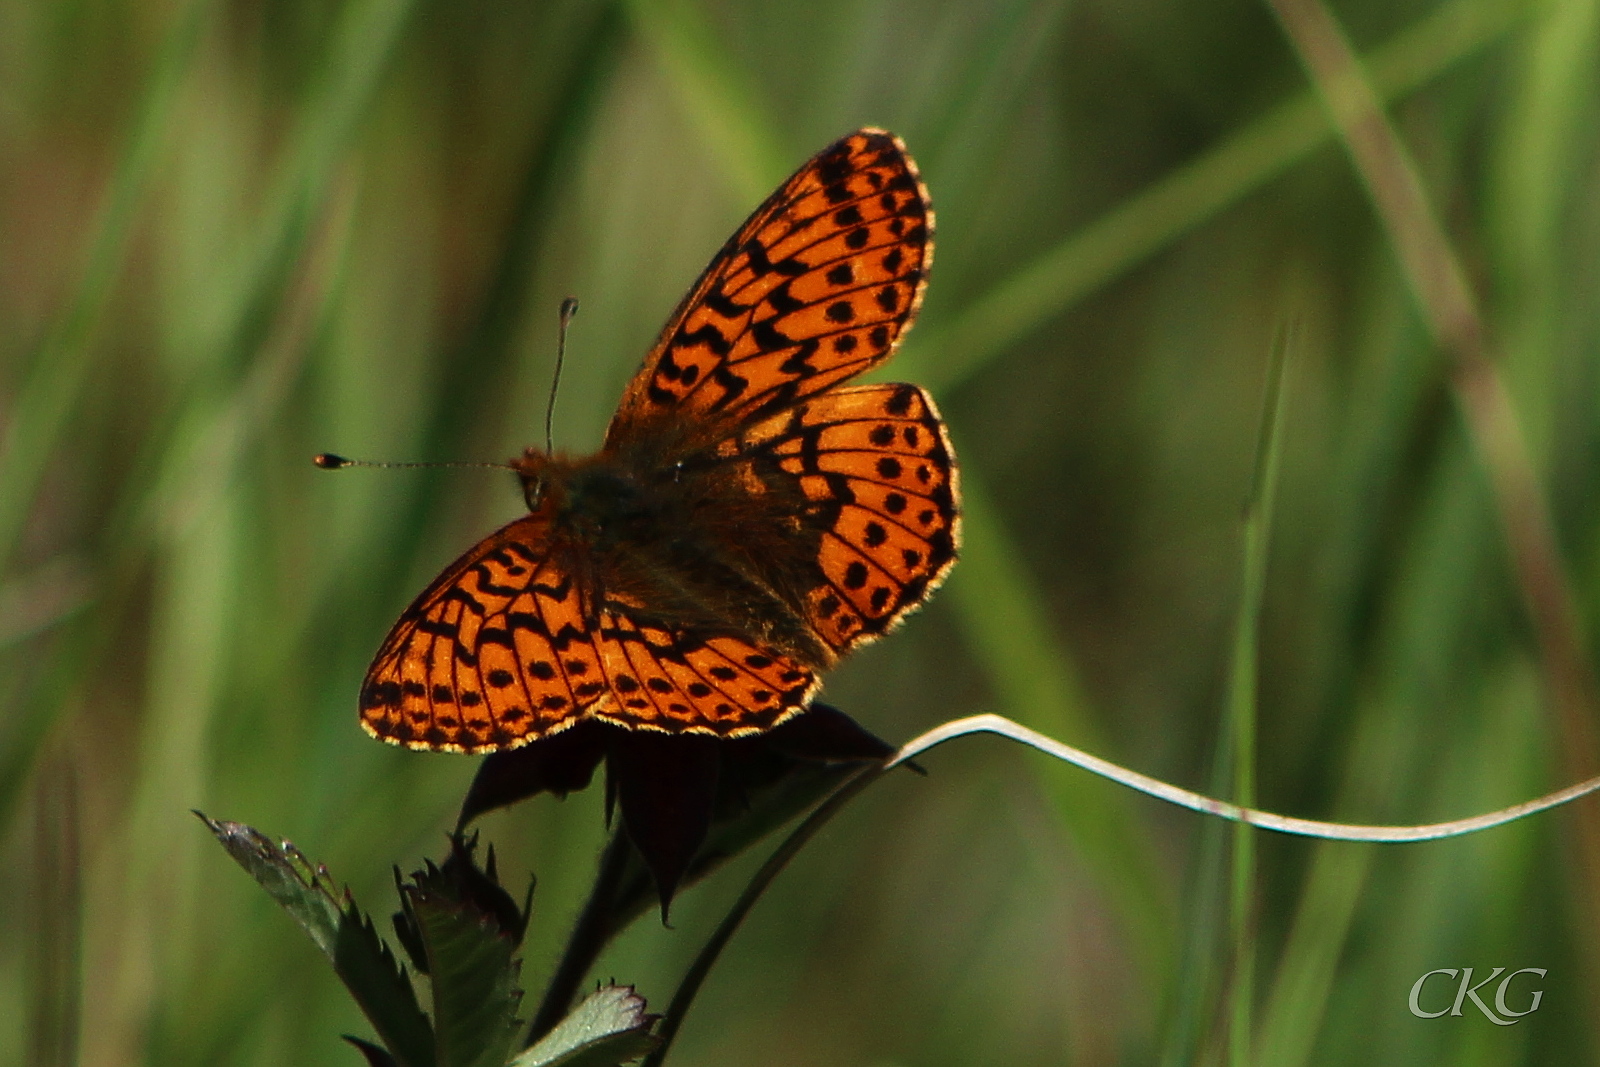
666, 787
823, 732
405, 928
475, 888
758, 814
561, 764
764, 782
380, 985
474, 978
376, 1056
480, 887
661, 782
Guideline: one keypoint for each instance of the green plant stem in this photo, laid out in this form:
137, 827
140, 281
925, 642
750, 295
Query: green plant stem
707, 957
590, 934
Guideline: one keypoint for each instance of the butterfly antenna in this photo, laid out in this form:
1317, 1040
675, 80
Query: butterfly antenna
330, 462
569, 308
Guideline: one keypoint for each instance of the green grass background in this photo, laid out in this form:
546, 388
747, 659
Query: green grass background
233, 235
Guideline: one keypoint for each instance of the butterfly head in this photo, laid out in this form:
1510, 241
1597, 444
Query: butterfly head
536, 468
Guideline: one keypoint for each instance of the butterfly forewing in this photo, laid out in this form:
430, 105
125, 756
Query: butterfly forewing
816, 287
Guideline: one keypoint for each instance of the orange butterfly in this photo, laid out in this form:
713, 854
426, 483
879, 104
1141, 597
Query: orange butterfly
749, 520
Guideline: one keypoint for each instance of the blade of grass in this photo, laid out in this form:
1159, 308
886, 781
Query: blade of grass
40, 418
1195, 980
366, 37
981, 106
1539, 173
1011, 633
193, 608
1284, 824
1213, 894
944, 355
42, 413
198, 542
1243, 695
1418, 641
720, 99
1450, 310
56, 935
198, 537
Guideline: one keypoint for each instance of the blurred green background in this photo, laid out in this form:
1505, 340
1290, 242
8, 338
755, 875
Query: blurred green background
236, 234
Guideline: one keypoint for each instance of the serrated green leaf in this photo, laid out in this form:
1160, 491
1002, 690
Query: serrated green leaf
360, 957
608, 1028
474, 981
608, 1051
302, 889
381, 987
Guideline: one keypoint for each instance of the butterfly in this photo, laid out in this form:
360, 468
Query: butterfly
750, 518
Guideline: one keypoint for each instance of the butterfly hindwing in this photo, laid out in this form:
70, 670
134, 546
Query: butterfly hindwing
725, 686
876, 466
816, 287
499, 652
